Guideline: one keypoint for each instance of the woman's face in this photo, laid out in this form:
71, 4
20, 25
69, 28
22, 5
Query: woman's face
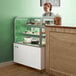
47, 8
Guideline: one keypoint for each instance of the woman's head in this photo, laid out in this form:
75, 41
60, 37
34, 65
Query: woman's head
47, 7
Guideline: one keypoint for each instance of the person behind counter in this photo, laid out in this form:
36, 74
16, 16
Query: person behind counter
49, 15
47, 8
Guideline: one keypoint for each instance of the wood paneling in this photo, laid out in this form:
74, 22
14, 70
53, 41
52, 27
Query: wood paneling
61, 51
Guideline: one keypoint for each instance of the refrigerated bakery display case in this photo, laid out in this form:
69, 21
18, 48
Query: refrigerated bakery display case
29, 42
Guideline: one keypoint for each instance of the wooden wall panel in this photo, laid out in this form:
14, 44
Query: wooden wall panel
61, 51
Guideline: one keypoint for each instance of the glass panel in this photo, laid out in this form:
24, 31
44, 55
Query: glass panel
29, 31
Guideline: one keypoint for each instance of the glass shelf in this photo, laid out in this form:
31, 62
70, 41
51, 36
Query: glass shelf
35, 45
43, 35
37, 26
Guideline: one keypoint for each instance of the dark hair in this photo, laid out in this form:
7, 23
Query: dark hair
46, 4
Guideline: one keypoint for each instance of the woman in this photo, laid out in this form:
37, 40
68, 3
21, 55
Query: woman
47, 8
48, 16
53, 19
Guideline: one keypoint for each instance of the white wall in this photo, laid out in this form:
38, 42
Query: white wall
67, 10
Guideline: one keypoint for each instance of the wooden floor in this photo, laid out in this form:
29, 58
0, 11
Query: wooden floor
20, 70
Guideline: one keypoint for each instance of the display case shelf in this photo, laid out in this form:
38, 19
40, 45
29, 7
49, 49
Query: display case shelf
31, 25
35, 45
43, 35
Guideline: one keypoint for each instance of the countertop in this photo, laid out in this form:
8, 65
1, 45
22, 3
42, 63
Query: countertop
60, 26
